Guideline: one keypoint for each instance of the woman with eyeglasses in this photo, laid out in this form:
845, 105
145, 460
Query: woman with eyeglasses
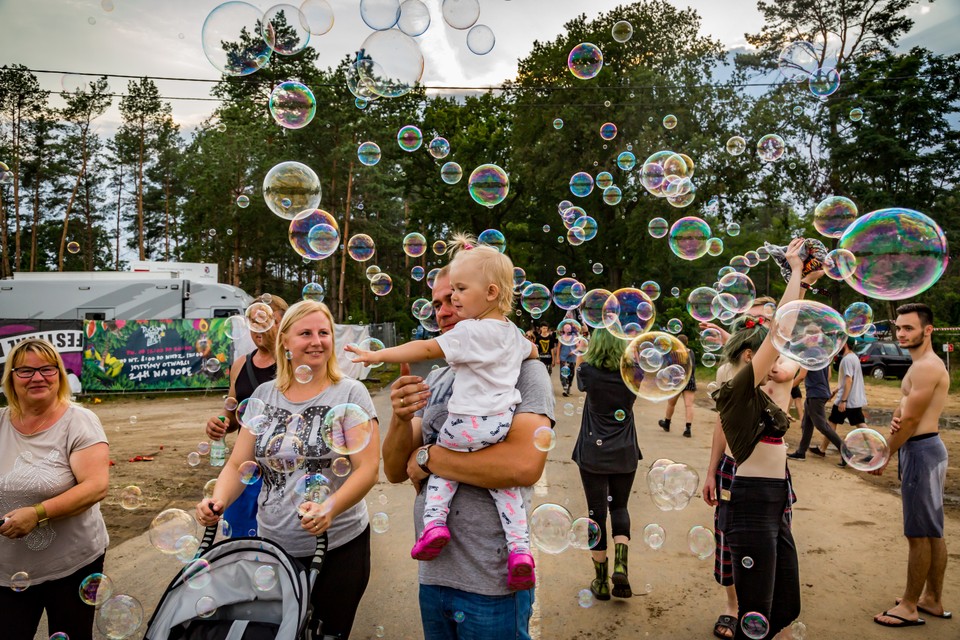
54, 471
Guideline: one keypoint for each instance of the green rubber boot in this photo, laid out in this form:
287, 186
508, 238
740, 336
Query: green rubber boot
621, 585
600, 587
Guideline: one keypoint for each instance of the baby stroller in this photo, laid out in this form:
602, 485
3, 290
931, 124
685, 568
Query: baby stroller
256, 591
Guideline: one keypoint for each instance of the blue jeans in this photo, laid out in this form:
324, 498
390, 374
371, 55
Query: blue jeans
452, 614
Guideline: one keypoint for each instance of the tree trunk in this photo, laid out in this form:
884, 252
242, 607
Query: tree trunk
89, 249
36, 218
119, 199
73, 195
17, 120
5, 265
166, 216
406, 258
345, 237
140, 191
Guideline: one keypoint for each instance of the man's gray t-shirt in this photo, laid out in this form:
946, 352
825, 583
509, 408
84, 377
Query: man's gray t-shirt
850, 368
475, 560
277, 513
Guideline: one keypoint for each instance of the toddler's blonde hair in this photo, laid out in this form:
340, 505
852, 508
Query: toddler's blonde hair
494, 267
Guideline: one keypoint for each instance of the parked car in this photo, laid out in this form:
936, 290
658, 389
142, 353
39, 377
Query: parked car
882, 359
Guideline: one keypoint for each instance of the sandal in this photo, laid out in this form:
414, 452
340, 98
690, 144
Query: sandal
725, 623
904, 622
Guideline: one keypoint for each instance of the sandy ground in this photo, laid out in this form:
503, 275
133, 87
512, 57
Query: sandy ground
847, 528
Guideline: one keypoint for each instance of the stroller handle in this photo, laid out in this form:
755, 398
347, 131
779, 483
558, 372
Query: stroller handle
316, 563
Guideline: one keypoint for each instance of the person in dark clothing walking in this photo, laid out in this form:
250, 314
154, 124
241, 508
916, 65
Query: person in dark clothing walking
814, 413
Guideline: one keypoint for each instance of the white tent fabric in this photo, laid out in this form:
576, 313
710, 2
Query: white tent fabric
342, 333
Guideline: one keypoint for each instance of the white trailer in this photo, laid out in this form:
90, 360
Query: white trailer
108, 295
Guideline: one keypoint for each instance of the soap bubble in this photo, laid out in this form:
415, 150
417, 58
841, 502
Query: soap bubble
833, 215
481, 39
865, 450
211, 365
654, 536
414, 18
417, 273
292, 105
341, 466
669, 121
604, 178
313, 291
708, 359
222, 32
196, 573
651, 288
96, 589
568, 409
439, 148
674, 325
672, 484
584, 534
900, 253
380, 523
856, 114
714, 246
284, 29
658, 227
544, 438
608, 131
626, 161
314, 234
372, 272
249, 472
565, 293
346, 429
585, 227
380, 14
597, 268
688, 238
493, 238
168, 527
20, 581
284, 451
290, 187
206, 607
620, 415
535, 298
585, 598
672, 374
568, 331
550, 527
771, 147
460, 14
368, 153
733, 229
120, 617
131, 497
451, 173
303, 374
557, 123
701, 542
310, 487
711, 339
243, 201
809, 332
585, 61
622, 31
736, 145
372, 344
414, 245
824, 82
612, 195
591, 307
251, 413
798, 60
409, 138
736, 292
73, 247
193, 458
747, 562
840, 264
858, 317
260, 317
581, 184
489, 185
316, 16
628, 312
361, 247
754, 625
265, 578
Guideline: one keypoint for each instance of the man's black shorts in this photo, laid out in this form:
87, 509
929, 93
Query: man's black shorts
854, 415
795, 392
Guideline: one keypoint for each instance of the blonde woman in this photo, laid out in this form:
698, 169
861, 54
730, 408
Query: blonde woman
54, 471
296, 405
486, 351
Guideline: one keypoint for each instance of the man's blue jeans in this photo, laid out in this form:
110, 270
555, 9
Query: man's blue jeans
452, 614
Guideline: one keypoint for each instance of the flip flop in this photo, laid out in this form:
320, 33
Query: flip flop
725, 622
903, 621
946, 615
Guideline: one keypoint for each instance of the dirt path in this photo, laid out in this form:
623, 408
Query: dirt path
847, 527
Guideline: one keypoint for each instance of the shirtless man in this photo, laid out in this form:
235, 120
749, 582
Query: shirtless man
915, 434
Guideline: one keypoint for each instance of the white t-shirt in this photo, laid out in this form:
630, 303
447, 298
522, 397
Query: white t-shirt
857, 395
36, 468
485, 356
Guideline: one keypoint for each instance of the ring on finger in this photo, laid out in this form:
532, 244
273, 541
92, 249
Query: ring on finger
403, 402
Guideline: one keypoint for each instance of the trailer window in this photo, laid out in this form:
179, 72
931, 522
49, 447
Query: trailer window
225, 313
95, 315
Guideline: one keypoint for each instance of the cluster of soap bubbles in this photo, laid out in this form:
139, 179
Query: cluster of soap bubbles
554, 530
656, 366
669, 175
672, 484
814, 64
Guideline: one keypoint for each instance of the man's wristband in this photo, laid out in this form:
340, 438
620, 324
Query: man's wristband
42, 518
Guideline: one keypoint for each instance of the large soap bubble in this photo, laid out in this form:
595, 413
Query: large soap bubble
700, 304
798, 60
565, 293
380, 14
168, 527
346, 428
290, 187
591, 307
858, 317
671, 485
656, 366
833, 215
900, 253
688, 238
120, 617
658, 227
628, 312
489, 185
310, 242
535, 298
701, 542
585, 61
865, 450
414, 244
824, 82
809, 332
736, 292
292, 105
316, 16
392, 63
481, 39
368, 153
493, 238
231, 39
361, 247
284, 29
550, 527
460, 14
414, 18
771, 147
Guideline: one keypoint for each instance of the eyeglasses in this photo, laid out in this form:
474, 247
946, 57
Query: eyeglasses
25, 373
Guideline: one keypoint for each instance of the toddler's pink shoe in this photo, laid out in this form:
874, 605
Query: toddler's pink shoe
520, 574
432, 541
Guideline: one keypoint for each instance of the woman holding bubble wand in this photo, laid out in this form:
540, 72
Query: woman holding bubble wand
765, 567
485, 350
299, 429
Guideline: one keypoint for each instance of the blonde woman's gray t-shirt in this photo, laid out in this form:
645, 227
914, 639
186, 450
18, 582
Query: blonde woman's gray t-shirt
277, 513
475, 560
36, 468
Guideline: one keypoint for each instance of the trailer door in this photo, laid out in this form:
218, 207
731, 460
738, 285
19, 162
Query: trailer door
95, 313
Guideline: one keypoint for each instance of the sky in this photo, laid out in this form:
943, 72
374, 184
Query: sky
163, 38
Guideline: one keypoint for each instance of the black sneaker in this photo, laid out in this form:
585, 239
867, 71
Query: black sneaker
796, 456
817, 452
664, 424
566, 395
842, 464
686, 433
